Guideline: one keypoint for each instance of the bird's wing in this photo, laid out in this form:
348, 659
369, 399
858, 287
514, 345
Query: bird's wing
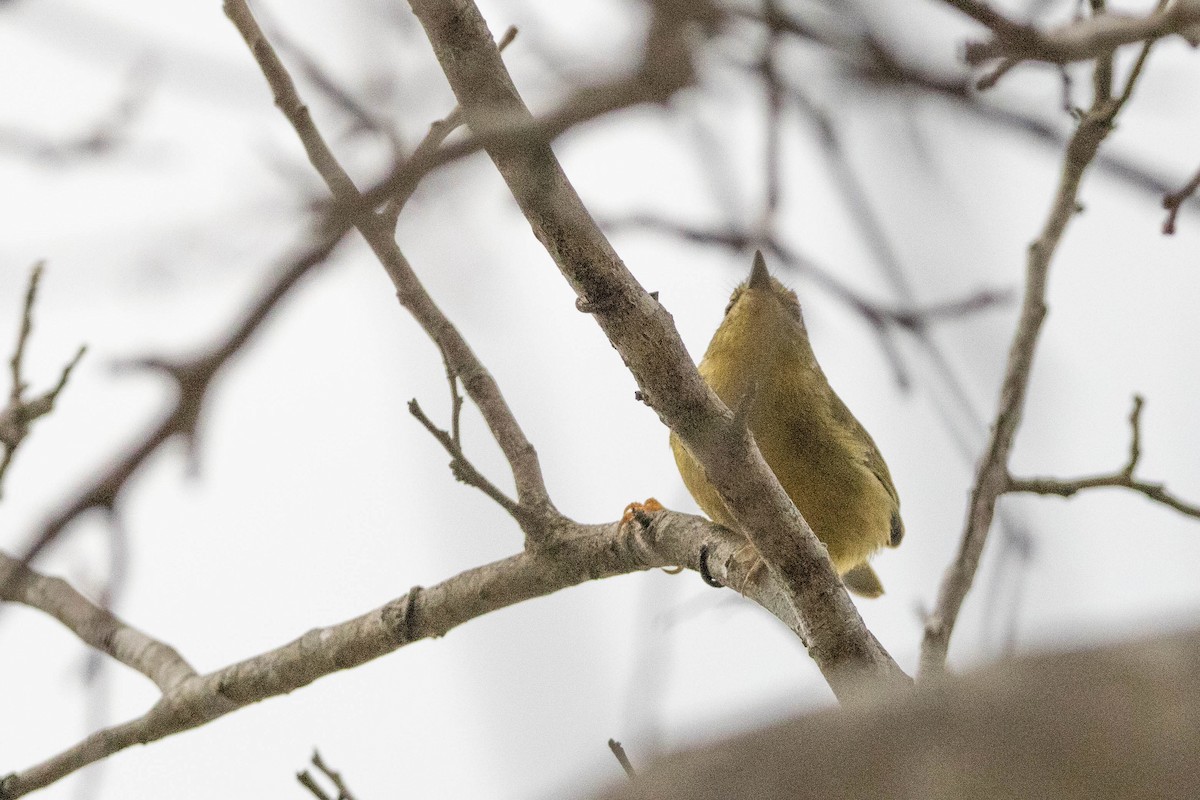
873, 461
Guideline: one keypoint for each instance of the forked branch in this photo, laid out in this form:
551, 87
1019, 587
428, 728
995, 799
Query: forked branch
20, 411
642, 331
992, 479
1121, 478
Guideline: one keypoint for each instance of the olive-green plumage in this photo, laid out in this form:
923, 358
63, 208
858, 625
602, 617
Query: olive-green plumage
760, 361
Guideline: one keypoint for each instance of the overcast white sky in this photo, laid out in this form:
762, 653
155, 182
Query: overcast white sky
319, 497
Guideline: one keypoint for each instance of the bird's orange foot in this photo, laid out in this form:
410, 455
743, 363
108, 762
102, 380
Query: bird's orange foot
639, 511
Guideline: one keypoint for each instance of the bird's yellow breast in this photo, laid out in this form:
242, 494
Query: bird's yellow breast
760, 361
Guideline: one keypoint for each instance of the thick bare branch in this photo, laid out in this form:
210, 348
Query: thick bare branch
642, 331
579, 554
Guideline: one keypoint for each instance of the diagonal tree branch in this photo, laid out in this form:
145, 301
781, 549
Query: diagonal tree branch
192, 378
590, 552
94, 625
537, 510
642, 332
992, 478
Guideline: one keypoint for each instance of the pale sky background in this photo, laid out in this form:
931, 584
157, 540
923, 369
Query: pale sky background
319, 497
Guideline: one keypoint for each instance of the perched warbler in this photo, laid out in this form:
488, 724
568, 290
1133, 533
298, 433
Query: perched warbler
760, 361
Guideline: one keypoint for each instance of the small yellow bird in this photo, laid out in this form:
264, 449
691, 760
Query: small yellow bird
760, 361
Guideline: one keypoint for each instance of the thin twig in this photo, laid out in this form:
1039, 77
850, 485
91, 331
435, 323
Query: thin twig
456, 403
17, 415
1173, 201
990, 80
461, 466
1121, 478
622, 759
309, 782
18, 384
1067, 103
1095, 37
334, 776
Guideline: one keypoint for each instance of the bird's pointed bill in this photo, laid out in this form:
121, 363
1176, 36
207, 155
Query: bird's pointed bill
759, 277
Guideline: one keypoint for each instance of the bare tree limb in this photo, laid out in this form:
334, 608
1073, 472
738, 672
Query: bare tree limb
992, 478
1121, 478
538, 512
95, 626
193, 378
642, 332
844, 647
1081, 40
581, 553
